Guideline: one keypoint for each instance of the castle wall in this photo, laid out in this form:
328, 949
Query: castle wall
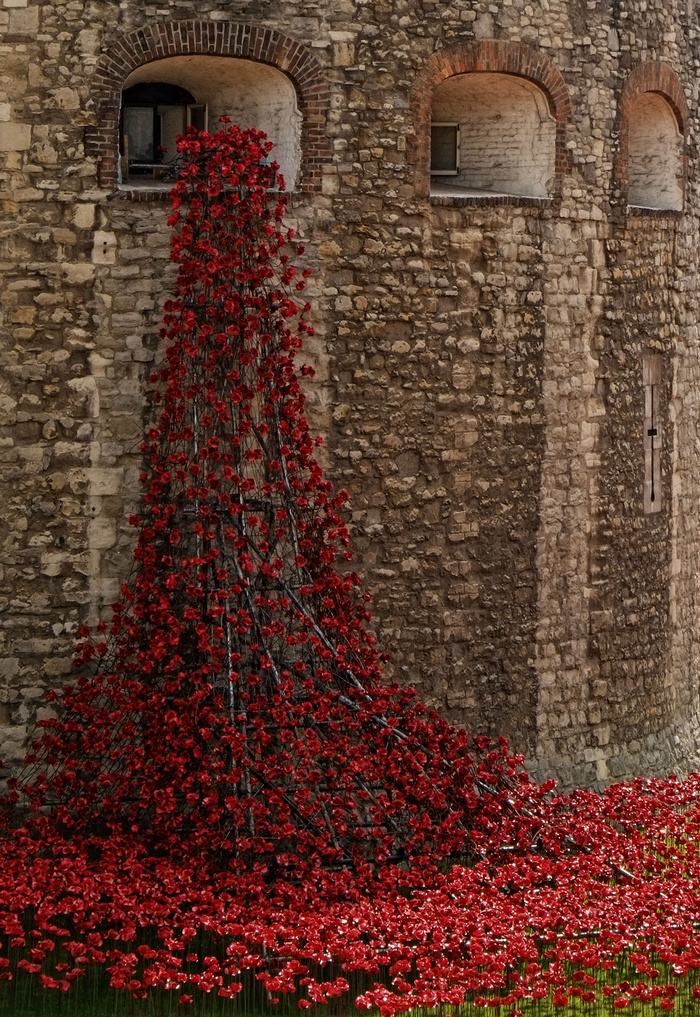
480, 360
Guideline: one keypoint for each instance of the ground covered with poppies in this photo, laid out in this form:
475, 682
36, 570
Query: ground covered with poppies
231, 810
611, 923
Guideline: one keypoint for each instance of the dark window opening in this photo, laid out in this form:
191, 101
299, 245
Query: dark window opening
153, 114
444, 149
653, 434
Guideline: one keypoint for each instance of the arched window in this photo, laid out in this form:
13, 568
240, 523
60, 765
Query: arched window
492, 134
162, 97
655, 154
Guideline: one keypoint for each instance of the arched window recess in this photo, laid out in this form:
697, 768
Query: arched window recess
491, 134
653, 124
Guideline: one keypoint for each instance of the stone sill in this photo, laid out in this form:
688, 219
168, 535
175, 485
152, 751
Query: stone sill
490, 199
655, 213
157, 192
150, 192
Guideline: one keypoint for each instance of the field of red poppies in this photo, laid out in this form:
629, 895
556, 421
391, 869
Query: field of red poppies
600, 911
231, 811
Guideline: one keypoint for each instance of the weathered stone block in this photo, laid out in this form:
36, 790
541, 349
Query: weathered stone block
103, 481
104, 248
24, 22
15, 137
101, 533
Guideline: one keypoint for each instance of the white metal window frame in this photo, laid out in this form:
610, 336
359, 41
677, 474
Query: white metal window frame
198, 111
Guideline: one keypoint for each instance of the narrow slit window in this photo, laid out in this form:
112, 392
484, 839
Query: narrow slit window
444, 149
652, 434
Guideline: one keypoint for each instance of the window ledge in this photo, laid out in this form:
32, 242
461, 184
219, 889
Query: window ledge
464, 197
144, 192
159, 191
655, 213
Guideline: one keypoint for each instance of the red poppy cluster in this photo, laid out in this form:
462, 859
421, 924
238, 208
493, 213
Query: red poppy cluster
229, 767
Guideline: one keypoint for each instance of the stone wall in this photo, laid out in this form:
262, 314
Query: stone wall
480, 360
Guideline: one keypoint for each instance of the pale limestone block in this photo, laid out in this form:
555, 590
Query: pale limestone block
104, 248
65, 98
463, 375
102, 533
44, 154
78, 273
602, 734
466, 439
343, 54
139, 353
15, 137
98, 365
484, 26
84, 216
13, 740
45, 713
33, 458
7, 405
64, 236
52, 562
9, 667
88, 41
87, 388
57, 481
468, 242
24, 22
55, 666
105, 481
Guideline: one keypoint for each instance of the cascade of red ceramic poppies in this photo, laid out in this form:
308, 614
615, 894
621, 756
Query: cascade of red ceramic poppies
234, 704
230, 798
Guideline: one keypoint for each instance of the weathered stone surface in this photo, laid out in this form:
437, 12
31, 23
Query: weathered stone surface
479, 361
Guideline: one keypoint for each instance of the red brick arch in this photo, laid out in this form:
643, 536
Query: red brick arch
227, 38
652, 76
496, 57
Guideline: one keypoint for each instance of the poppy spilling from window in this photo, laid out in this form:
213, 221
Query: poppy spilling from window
230, 768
